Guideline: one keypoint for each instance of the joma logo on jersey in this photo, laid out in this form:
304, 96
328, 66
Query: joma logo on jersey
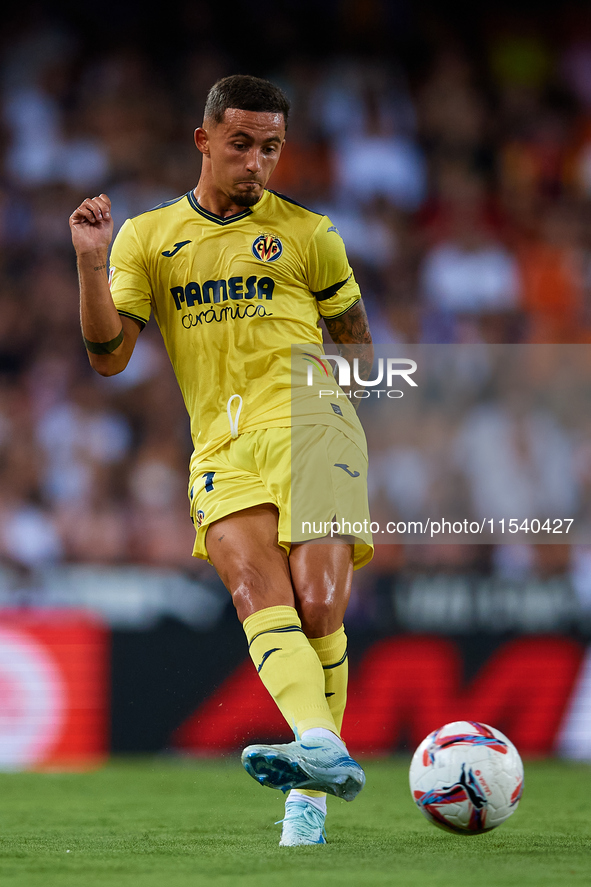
213, 291
267, 248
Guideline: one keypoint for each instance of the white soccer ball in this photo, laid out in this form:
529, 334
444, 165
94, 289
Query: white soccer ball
466, 778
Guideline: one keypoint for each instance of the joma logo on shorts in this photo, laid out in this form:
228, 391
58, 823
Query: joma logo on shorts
214, 291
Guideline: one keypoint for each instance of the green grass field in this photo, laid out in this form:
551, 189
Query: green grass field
160, 823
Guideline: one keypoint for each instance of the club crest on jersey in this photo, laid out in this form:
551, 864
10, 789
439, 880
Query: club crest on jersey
267, 248
200, 517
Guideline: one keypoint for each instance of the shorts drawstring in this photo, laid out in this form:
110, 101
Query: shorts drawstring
234, 422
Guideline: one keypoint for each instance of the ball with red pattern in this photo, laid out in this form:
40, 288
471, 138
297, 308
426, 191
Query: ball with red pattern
466, 777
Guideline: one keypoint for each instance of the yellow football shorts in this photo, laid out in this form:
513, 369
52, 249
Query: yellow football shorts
314, 474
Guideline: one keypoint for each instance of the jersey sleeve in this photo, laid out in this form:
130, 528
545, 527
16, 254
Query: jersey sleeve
330, 277
129, 281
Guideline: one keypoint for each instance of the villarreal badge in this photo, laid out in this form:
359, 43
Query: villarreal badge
200, 517
267, 248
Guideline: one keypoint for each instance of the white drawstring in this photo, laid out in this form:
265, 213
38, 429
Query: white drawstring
234, 422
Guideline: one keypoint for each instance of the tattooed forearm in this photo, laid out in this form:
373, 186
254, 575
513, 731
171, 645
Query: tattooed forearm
350, 333
351, 327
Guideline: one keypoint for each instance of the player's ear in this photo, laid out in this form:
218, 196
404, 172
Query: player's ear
202, 140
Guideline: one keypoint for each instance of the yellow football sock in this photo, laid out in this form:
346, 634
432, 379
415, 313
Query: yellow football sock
289, 668
332, 652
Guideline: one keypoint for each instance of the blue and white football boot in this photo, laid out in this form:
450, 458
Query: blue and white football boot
303, 824
315, 764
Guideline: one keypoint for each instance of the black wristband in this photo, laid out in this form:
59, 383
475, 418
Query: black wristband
103, 347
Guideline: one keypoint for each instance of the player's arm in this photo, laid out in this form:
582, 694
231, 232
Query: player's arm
348, 331
108, 337
333, 284
352, 328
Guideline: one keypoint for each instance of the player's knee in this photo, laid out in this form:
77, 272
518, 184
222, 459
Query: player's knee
246, 586
318, 617
253, 589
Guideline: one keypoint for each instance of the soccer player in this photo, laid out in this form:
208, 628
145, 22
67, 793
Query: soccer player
236, 274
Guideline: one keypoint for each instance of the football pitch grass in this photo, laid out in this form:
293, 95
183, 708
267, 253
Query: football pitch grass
167, 823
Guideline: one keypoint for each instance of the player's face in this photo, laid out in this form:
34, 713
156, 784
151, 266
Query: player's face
243, 151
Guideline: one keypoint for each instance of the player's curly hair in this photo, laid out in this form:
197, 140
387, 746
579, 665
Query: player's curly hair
246, 93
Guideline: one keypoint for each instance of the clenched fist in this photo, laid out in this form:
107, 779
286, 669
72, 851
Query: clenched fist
92, 226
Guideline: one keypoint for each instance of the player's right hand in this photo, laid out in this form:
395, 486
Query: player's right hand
91, 225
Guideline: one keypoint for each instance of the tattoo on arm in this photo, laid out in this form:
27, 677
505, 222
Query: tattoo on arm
351, 328
104, 347
99, 267
349, 331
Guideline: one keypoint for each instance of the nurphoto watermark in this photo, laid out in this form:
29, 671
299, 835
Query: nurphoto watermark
470, 444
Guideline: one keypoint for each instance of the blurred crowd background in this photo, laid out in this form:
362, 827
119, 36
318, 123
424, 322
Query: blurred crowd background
452, 150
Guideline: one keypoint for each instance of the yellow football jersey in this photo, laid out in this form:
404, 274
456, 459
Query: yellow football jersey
231, 296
